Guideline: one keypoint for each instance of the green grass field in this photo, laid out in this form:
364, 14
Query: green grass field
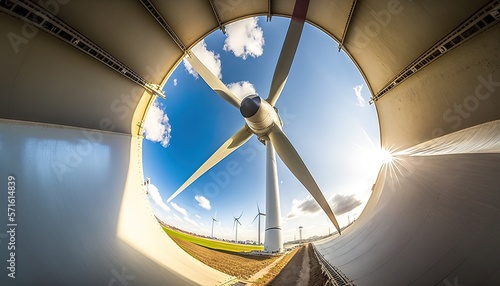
214, 244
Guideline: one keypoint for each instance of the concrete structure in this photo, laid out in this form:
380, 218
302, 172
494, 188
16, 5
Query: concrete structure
74, 93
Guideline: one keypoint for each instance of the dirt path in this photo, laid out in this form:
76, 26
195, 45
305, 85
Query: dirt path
302, 270
265, 270
290, 274
300, 267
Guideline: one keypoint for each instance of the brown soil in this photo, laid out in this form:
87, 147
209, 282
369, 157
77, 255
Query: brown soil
315, 275
238, 265
276, 270
285, 272
290, 274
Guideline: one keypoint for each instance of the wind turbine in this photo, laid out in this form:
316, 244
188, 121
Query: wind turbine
213, 220
259, 213
262, 119
236, 221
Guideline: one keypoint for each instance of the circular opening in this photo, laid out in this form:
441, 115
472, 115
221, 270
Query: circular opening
325, 109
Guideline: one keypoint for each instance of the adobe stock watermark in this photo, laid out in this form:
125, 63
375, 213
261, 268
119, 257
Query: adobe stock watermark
459, 112
28, 31
381, 19
224, 6
220, 180
122, 106
120, 278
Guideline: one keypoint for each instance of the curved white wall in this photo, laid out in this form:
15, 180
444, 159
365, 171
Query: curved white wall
82, 213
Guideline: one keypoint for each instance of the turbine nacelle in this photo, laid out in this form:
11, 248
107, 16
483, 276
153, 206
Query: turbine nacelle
259, 115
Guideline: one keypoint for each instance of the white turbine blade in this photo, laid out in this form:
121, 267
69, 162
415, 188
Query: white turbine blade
216, 84
292, 160
288, 50
255, 217
233, 143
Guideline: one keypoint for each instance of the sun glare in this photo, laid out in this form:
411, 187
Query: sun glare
385, 156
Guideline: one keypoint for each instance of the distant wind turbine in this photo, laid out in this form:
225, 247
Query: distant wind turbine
214, 220
259, 213
236, 222
262, 119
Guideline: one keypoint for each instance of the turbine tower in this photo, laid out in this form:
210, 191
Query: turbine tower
213, 220
236, 222
262, 119
300, 233
259, 213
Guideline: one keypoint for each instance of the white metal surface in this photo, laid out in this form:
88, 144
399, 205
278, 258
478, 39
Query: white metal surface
273, 236
432, 219
82, 213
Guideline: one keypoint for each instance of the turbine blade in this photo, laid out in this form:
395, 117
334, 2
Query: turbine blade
233, 143
288, 50
215, 83
292, 160
255, 217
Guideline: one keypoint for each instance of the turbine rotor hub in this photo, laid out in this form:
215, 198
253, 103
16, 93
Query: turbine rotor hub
250, 105
259, 115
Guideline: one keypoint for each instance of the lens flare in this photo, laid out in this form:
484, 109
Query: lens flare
385, 156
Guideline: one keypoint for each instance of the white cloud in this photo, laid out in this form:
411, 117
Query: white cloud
208, 58
241, 89
157, 128
175, 82
179, 209
186, 218
245, 38
303, 207
361, 100
198, 216
342, 204
203, 202
154, 194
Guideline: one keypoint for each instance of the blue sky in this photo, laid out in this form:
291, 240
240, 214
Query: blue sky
326, 115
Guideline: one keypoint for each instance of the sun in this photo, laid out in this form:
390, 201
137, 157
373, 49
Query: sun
384, 156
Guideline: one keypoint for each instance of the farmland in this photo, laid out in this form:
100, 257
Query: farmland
254, 270
211, 243
221, 255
